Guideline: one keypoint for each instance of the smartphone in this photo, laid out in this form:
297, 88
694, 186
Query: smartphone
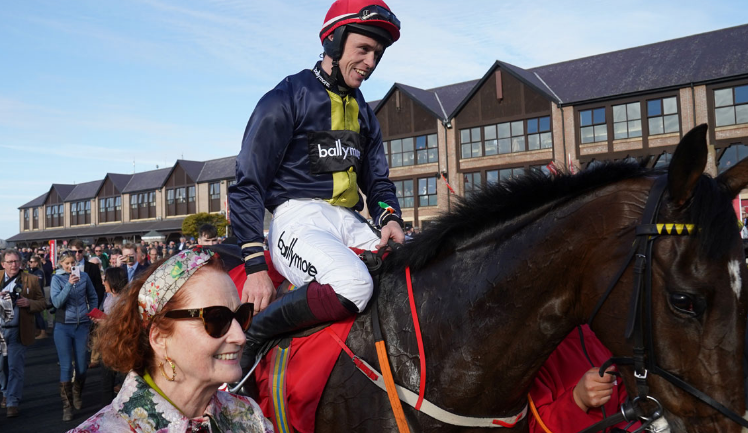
75, 270
130, 260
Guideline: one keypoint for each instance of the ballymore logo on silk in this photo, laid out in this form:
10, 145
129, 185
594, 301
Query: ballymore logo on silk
338, 151
295, 260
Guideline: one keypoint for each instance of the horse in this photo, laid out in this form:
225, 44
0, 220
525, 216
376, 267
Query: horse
502, 278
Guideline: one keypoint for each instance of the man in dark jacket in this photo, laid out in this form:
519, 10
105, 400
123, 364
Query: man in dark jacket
91, 269
28, 299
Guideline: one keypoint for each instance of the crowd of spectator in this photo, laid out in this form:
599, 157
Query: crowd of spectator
38, 301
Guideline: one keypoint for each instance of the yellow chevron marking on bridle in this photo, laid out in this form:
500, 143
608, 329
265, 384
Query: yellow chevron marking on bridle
675, 229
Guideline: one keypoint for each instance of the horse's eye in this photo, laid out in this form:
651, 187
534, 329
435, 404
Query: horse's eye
686, 303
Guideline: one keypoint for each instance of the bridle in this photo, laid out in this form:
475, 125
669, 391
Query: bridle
639, 322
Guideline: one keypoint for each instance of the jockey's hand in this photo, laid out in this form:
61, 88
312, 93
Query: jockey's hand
391, 230
593, 390
259, 290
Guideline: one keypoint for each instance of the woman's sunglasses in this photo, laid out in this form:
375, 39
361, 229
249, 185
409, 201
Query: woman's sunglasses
217, 319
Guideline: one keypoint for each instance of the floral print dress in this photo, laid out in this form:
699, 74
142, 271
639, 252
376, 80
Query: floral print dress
139, 408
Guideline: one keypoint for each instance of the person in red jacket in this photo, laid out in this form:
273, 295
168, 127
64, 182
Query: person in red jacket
568, 393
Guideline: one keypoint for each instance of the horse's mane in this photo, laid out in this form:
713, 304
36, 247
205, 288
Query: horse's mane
505, 200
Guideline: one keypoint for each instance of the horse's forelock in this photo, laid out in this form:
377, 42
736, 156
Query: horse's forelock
711, 210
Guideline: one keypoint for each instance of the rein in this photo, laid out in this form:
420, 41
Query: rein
639, 323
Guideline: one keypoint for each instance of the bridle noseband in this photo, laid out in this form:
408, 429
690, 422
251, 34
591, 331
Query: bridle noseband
644, 360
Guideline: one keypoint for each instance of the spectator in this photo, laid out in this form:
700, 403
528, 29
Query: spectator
152, 255
207, 235
569, 393
91, 269
131, 262
36, 270
74, 297
173, 377
115, 280
26, 298
182, 243
103, 257
114, 257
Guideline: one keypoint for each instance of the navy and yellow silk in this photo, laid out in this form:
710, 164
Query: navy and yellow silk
274, 163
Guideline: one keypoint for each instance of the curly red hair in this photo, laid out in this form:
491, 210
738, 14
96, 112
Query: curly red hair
123, 339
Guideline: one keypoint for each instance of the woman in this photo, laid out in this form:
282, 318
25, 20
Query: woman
73, 297
35, 269
115, 280
178, 329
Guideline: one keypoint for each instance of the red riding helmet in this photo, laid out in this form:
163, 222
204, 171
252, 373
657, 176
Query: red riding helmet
371, 18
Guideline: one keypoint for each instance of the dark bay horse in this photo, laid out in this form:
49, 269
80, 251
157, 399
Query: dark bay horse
505, 276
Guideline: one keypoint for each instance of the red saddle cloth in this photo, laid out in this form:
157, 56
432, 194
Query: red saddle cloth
291, 380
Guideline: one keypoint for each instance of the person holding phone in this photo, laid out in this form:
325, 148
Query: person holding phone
133, 261
74, 296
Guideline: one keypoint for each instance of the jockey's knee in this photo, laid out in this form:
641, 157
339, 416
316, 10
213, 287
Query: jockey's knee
353, 294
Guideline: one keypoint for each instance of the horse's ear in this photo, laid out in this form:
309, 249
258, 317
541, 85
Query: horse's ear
688, 163
735, 178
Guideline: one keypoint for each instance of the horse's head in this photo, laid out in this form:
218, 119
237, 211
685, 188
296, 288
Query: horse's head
698, 295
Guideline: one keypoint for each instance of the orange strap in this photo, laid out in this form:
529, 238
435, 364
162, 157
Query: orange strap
389, 382
535, 413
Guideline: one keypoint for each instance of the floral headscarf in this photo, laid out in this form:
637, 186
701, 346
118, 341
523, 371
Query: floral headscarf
165, 281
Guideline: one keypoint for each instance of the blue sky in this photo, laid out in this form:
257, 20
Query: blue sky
90, 87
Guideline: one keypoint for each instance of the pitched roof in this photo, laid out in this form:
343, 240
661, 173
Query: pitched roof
85, 190
440, 101
147, 180
700, 58
63, 189
119, 180
216, 169
36, 202
192, 168
171, 224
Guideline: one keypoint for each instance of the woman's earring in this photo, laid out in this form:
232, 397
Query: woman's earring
171, 364
173, 369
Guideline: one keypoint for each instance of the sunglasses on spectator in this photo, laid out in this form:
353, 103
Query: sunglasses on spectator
217, 319
97, 251
76, 251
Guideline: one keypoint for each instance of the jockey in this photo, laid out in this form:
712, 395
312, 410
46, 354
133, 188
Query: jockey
311, 143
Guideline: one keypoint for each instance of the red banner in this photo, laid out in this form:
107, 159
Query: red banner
53, 253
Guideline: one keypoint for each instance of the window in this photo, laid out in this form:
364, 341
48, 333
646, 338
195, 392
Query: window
541, 168
61, 209
102, 205
507, 137
134, 201
25, 219
731, 156
190, 194
592, 125
427, 191
404, 192
36, 218
663, 160
493, 176
731, 106
539, 133
627, 121
74, 212
110, 204
401, 152
472, 183
426, 149
233, 181
181, 195
470, 144
662, 116
215, 191
170, 196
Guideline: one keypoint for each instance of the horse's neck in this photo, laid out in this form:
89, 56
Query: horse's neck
497, 310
